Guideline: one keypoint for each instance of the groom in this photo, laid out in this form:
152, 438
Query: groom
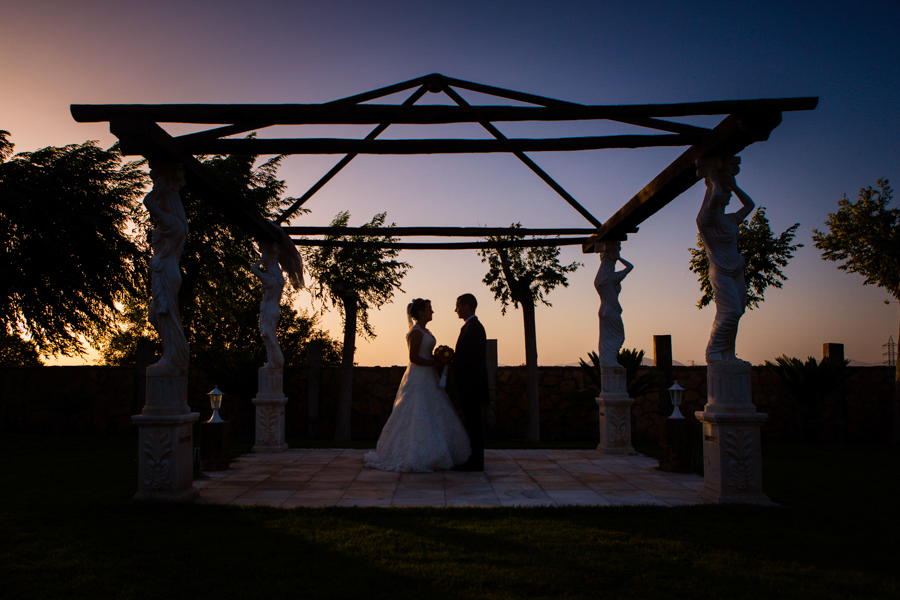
470, 369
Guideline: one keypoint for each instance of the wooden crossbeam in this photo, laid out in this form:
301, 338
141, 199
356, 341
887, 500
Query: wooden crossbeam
432, 231
343, 162
353, 147
373, 114
544, 101
442, 245
529, 163
732, 135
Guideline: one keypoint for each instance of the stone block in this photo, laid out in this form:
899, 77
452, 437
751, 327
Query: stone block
732, 458
615, 415
269, 425
165, 457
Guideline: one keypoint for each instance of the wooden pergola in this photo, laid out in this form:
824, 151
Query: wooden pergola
137, 127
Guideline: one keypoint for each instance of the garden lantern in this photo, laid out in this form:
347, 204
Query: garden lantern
675, 393
215, 401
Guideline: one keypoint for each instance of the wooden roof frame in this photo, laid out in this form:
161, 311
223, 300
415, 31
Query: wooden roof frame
137, 128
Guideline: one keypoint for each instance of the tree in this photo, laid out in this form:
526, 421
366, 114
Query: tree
69, 258
17, 352
523, 276
764, 255
355, 279
865, 237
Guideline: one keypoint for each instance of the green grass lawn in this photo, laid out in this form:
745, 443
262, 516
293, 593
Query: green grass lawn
69, 529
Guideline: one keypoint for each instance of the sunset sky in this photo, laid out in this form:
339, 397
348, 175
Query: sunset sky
58, 53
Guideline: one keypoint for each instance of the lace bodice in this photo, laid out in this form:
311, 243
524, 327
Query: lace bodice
428, 341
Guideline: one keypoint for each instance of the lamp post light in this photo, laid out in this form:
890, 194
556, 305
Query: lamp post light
215, 401
675, 393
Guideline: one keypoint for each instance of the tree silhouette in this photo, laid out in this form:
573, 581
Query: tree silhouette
355, 279
764, 255
523, 276
865, 237
69, 258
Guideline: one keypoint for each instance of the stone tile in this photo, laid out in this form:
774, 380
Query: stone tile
412, 502
363, 492
273, 502
473, 503
525, 502
334, 476
268, 486
307, 494
376, 475
436, 496
521, 494
267, 494
563, 485
584, 496
604, 487
327, 477
309, 502
362, 502
325, 485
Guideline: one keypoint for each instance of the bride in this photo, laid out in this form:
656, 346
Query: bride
423, 432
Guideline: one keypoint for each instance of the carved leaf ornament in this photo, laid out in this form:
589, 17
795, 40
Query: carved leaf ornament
157, 446
619, 421
739, 448
268, 420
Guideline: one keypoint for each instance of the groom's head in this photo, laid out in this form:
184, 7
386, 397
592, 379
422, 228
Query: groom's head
465, 306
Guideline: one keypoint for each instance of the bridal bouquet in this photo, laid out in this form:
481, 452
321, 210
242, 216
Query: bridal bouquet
443, 354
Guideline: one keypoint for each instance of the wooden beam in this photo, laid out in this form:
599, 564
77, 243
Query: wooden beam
381, 92
530, 164
732, 135
432, 231
285, 215
544, 101
353, 147
219, 132
442, 245
361, 114
155, 144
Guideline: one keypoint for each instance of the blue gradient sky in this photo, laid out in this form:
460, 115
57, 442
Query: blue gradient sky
57, 53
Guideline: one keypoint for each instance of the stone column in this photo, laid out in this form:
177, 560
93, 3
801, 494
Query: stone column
615, 412
732, 457
165, 442
269, 402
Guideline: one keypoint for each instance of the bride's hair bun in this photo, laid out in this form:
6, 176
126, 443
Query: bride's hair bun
415, 306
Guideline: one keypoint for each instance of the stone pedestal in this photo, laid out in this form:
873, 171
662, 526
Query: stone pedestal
165, 443
269, 402
732, 457
615, 412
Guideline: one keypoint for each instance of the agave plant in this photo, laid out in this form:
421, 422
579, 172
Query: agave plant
631, 360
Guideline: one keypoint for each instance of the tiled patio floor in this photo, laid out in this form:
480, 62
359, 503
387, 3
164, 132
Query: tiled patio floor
317, 477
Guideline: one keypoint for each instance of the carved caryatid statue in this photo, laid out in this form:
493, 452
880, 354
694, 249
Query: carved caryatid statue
273, 257
169, 233
608, 284
719, 232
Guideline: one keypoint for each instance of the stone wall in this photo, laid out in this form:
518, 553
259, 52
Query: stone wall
102, 399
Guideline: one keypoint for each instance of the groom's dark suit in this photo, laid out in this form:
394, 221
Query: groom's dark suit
470, 369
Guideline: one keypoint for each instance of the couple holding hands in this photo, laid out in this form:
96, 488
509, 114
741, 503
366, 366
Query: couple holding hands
424, 432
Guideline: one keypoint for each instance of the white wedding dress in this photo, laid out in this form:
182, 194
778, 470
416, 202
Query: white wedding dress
423, 432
